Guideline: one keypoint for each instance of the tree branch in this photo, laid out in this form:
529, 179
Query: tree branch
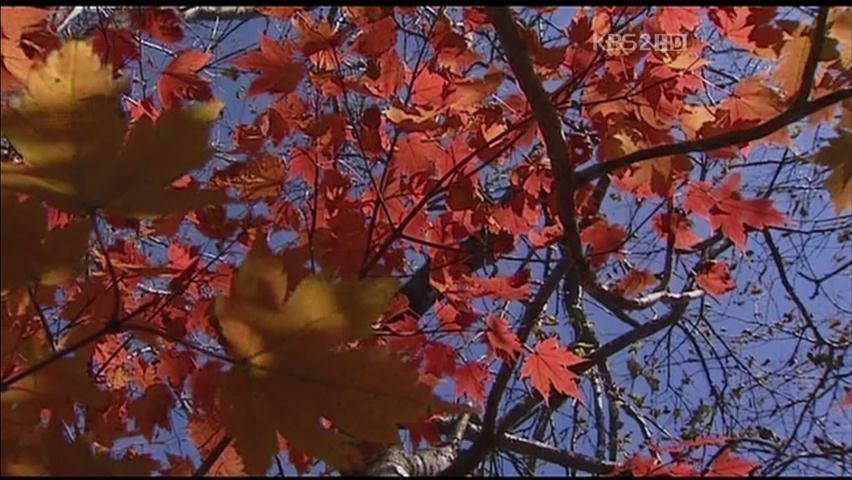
735, 137
543, 451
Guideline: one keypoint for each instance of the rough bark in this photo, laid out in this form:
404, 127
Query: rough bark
396, 462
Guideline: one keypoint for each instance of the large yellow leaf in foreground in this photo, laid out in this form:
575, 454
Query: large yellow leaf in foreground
69, 127
295, 372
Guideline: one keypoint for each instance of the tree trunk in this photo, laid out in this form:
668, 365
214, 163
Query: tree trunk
429, 462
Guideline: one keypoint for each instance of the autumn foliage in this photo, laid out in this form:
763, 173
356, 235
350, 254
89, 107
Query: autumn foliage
375, 220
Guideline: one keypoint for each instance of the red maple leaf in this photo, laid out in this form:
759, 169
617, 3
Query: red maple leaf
641, 466
162, 24
501, 338
440, 359
724, 208
727, 465
180, 79
471, 380
714, 278
515, 287
376, 38
115, 46
678, 223
416, 152
603, 239
279, 73
673, 19
548, 366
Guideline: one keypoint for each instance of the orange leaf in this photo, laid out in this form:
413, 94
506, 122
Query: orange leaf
635, 282
261, 177
714, 278
751, 102
500, 338
791, 66
547, 368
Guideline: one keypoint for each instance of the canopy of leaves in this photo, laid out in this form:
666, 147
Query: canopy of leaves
508, 206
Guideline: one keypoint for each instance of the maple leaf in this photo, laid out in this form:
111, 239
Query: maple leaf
675, 19
19, 24
791, 66
748, 27
500, 338
728, 465
163, 24
440, 359
152, 409
412, 119
751, 102
28, 252
655, 177
258, 178
291, 373
376, 38
547, 368
713, 277
115, 46
635, 282
514, 287
279, 73
725, 209
603, 239
180, 79
416, 153
641, 466
472, 92
70, 131
837, 158
680, 225
471, 380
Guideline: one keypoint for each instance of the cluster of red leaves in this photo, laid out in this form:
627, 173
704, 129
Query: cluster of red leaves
723, 464
433, 129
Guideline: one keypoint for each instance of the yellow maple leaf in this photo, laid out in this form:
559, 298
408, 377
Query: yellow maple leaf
28, 252
838, 158
69, 127
294, 371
